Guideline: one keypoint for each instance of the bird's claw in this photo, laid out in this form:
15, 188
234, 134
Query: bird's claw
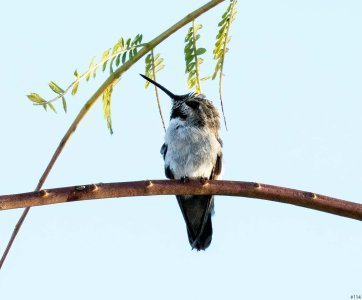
184, 179
203, 180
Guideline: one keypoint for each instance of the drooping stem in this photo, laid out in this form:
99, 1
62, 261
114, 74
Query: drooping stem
156, 91
226, 38
107, 83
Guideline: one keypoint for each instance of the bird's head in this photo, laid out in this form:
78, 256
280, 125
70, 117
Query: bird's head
194, 110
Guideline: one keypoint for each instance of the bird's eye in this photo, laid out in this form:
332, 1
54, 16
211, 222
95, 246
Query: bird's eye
193, 104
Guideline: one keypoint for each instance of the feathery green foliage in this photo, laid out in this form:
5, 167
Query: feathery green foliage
222, 39
192, 58
121, 52
126, 49
153, 65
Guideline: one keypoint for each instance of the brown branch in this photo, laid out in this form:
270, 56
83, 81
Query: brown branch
176, 187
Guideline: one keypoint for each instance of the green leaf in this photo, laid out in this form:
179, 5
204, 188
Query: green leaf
107, 97
191, 83
104, 58
56, 88
118, 59
111, 64
105, 54
190, 67
34, 97
116, 47
52, 107
140, 38
200, 51
159, 68
76, 74
189, 59
158, 62
75, 87
222, 22
128, 43
88, 75
104, 66
137, 40
188, 47
64, 104
89, 72
124, 56
95, 72
188, 36
92, 62
191, 74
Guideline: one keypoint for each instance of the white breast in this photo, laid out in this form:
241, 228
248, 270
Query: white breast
191, 151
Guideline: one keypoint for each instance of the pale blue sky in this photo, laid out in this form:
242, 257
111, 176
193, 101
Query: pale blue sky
292, 95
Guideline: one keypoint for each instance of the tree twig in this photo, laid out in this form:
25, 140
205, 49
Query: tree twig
176, 187
107, 83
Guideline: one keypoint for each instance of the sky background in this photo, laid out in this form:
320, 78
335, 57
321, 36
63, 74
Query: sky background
292, 93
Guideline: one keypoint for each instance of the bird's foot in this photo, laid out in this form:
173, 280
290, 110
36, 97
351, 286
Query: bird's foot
185, 179
203, 180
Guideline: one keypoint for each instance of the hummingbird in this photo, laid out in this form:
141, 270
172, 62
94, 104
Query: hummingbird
192, 150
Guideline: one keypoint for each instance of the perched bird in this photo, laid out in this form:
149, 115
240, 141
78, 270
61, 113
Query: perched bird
192, 149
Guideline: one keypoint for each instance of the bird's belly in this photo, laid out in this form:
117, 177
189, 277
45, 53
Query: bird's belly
190, 166
191, 156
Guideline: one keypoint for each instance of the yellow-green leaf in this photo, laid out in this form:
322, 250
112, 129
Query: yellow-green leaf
75, 88
64, 104
95, 72
88, 75
107, 97
36, 98
52, 107
56, 87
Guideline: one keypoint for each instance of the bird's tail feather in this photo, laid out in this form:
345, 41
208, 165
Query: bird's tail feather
196, 211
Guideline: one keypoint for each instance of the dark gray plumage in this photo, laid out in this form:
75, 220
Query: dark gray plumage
192, 149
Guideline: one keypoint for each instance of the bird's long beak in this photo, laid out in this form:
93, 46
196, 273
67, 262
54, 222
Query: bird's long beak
171, 95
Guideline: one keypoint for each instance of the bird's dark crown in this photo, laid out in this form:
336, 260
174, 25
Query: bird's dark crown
194, 109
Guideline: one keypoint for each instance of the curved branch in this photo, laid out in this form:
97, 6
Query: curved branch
176, 187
